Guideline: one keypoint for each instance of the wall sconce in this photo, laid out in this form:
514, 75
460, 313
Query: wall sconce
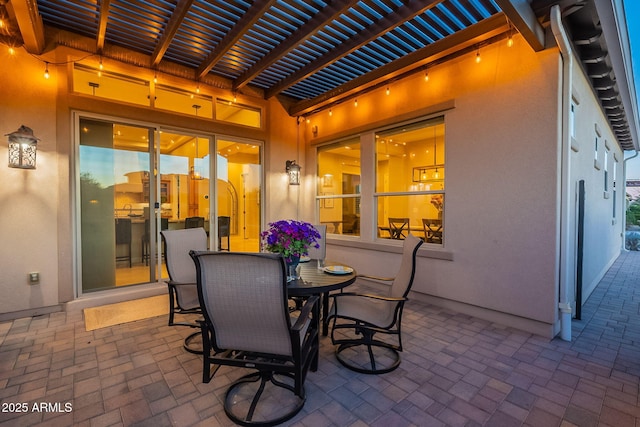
22, 148
293, 171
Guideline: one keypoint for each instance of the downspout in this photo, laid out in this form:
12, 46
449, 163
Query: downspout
564, 304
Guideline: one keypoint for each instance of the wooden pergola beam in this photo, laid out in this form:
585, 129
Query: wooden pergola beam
524, 20
30, 24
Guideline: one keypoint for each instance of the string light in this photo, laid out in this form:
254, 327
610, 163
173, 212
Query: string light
478, 59
388, 91
510, 38
355, 103
155, 77
46, 70
330, 112
426, 75
12, 51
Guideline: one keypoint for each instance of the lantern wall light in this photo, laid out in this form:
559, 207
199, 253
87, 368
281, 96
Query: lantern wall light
22, 148
293, 172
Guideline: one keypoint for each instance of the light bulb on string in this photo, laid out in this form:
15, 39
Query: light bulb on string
155, 77
355, 102
426, 76
330, 112
12, 51
388, 91
510, 41
46, 70
478, 59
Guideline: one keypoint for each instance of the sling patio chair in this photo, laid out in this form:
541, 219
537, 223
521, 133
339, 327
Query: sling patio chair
183, 294
357, 318
247, 324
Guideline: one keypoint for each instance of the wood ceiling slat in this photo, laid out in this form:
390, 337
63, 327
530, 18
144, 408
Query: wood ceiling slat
304, 33
404, 13
258, 8
177, 17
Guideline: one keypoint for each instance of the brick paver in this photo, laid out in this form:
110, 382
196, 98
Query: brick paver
456, 370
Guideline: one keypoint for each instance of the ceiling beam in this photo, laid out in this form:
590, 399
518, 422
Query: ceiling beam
522, 17
404, 13
169, 33
304, 33
30, 24
244, 24
102, 25
441, 50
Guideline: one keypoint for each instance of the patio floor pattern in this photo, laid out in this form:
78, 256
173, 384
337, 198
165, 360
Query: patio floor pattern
456, 370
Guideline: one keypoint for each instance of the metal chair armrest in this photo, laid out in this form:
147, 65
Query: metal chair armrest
371, 296
383, 279
305, 311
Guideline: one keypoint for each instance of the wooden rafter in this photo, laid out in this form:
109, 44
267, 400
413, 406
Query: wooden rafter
172, 28
523, 18
30, 24
253, 14
404, 13
463, 39
102, 25
305, 32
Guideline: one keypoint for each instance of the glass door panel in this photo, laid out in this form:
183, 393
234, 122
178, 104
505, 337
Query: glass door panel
184, 181
114, 166
238, 189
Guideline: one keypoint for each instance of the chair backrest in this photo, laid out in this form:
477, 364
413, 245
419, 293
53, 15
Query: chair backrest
321, 252
164, 225
123, 230
178, 243
194, 222
244, 297
404, 279
224, 226
398, 227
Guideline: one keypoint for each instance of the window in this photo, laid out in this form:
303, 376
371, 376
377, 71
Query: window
606, 170
410, 181
232, 112
339, 187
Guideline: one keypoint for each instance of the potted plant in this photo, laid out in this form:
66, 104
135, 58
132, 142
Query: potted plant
290, 238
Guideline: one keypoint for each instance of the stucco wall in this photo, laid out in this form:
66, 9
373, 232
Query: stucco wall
603, 238
28, 198
501, 188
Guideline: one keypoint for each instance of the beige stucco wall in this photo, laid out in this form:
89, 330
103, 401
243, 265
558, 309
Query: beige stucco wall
29, 199
501, 198
500, 259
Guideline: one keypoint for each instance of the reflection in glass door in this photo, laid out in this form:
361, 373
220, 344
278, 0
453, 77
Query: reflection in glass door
115, 193
184, 182
239, 189
135, 181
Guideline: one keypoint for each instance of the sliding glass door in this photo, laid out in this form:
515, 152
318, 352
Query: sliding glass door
135, 181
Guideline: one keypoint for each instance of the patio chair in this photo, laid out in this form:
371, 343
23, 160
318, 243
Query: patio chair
357, 318
432, 230
144, 244
123, 237
247, 324
194, 222
398, 228
183, 294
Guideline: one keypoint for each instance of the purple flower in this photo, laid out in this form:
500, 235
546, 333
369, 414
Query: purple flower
290, 238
